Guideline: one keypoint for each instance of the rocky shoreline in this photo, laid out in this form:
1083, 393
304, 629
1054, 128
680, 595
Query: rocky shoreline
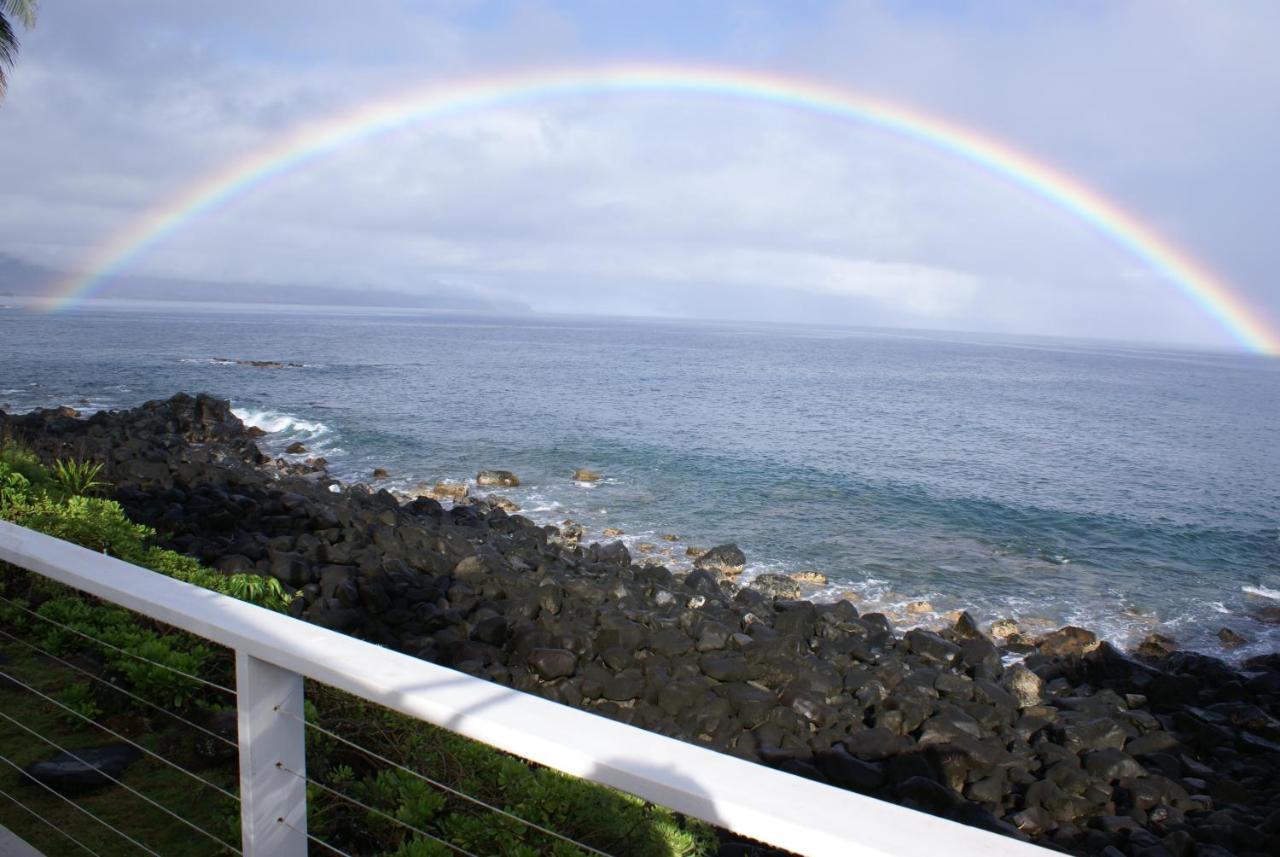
1061, 739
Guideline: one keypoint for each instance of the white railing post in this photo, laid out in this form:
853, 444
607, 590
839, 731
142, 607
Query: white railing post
272, 737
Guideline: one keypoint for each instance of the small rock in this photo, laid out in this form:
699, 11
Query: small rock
503, 478
670, 537
917, 607
380, 473
694, 552
584, 475
612, 532
255, 431
295, 448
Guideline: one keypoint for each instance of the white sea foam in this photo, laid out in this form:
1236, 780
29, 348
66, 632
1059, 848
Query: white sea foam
274, 422
1261, 592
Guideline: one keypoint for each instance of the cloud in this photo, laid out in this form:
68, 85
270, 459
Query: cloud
653, 204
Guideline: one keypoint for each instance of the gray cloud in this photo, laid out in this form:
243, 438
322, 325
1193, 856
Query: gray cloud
661, 204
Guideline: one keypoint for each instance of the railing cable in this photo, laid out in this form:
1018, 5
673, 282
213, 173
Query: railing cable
115, 648
375, 811
117, 735
22, 806
451, 790
116, 687
55, 745
117, 831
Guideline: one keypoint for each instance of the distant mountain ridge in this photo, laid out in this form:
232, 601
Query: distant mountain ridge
21, 278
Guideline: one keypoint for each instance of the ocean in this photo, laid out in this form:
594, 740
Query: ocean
1126, 489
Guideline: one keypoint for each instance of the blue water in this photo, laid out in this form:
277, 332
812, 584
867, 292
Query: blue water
1125, 489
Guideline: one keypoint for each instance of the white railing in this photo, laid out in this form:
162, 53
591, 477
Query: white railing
274, 653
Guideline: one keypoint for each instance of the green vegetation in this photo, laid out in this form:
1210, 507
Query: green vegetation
50, 500
77, 477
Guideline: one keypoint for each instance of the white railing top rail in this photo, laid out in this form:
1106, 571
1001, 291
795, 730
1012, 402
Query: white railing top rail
750, 799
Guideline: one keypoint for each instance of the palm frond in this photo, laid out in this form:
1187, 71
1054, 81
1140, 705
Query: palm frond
8, 48
23, 10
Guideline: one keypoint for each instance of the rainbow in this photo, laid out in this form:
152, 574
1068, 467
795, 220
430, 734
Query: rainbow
1207, 290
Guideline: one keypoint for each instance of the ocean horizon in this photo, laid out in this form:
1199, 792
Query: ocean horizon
1127, 488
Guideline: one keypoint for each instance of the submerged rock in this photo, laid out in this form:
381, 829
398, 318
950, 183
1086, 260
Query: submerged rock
1230, 639
584, 475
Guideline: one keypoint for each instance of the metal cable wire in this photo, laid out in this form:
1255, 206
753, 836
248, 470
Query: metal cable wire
388, 816
315, 839
134, 655
122, 785
108, 825
116, 734
446, 788
22, 806
117, 687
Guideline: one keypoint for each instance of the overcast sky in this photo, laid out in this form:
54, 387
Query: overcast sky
677, 205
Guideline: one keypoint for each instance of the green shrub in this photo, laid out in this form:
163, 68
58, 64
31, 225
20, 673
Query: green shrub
80, 699
77, 477
23, 461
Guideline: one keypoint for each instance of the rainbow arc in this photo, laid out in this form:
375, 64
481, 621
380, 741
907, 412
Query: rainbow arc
1214, 295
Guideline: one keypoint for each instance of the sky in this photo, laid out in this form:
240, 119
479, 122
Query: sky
662, 204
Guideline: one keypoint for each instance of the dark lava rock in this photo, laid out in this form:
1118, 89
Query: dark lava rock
85, 769
1080, 748
932, 646
1068, 641
552, 663
776, 586
295, 448
725, 559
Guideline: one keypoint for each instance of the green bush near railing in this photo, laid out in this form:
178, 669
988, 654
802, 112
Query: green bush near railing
48, 501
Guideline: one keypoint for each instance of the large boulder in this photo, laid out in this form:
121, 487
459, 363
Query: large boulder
83, 770
725, 559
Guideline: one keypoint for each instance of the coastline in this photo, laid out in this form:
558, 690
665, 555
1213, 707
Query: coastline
1063, 739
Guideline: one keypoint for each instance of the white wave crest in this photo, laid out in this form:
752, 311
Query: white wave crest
1262, 592
274, 422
